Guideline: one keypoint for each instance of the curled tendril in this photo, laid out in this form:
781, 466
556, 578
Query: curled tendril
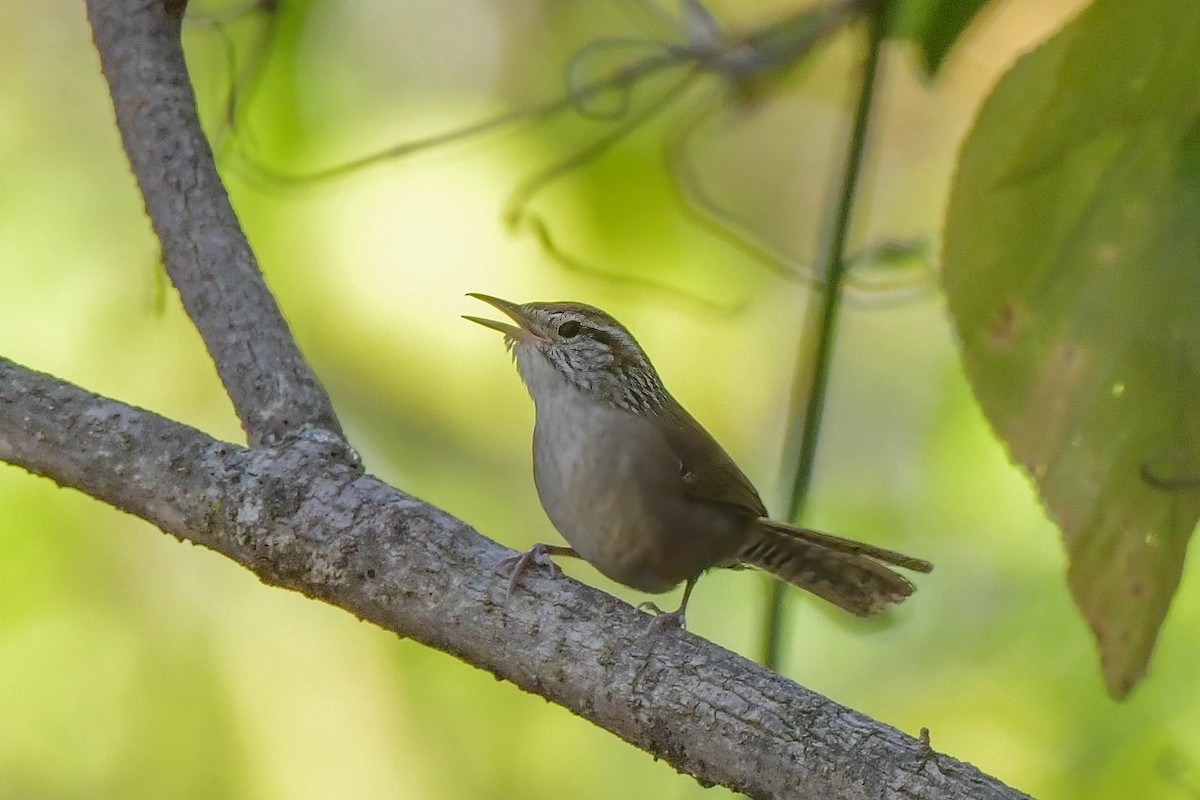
520, 198
1171, 470
602, 82
610, 96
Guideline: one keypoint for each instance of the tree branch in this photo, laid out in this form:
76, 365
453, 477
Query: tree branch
303, 518
204, 250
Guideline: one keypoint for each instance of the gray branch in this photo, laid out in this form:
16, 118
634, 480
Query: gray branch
297, 509
204, 249
305, 517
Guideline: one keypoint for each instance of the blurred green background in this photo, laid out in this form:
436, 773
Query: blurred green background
135, 666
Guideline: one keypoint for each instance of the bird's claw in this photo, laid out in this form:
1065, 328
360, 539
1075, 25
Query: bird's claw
516, 565
663, 619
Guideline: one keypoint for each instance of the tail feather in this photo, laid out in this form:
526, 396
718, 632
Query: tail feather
847, 545
842, 571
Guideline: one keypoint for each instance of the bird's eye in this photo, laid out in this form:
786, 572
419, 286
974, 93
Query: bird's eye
569, 329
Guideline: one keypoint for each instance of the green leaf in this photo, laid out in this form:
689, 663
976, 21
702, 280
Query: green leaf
1072, 271
933, 25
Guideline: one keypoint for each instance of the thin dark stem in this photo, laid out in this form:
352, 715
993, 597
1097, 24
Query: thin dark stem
813, 368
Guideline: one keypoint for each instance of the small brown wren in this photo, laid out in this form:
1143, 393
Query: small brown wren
641, 491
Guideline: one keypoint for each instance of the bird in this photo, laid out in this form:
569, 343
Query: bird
641, 491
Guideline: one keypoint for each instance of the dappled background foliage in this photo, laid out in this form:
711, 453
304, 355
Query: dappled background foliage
131, 665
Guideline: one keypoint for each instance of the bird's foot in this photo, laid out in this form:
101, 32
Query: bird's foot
538, 555
663, 619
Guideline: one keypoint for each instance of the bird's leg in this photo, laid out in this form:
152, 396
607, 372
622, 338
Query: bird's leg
540, 555
673, 619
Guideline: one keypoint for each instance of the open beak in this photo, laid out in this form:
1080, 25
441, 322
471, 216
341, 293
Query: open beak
521, 332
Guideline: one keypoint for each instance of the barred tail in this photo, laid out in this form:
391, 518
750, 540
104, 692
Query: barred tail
842, 571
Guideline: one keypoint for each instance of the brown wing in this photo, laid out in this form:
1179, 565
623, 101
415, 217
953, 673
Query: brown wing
704, 467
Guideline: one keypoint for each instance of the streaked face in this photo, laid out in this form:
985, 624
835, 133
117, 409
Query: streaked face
591, 350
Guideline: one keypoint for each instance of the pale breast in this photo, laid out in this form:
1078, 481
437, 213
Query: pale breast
612, 486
